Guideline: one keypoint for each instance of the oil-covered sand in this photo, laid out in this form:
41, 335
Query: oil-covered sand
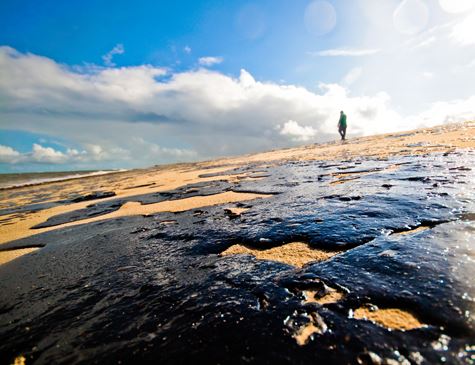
344, 253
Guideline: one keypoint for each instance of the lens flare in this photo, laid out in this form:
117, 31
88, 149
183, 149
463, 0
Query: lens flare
320, 17
410, 17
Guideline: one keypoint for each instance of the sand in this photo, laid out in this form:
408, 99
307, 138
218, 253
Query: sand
19, 360
131, 183
162, 178
295, 253
316, 325
416, 142
6, 256
23, 229
333, 296
237, 211
412, 231
390, 318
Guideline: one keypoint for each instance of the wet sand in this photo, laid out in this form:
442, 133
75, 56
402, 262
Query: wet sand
391, 318
295, 253
333, 296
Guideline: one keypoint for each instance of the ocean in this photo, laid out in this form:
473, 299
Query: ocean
31, 178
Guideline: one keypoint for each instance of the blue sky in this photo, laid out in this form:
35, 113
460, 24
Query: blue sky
114, 84
157, 32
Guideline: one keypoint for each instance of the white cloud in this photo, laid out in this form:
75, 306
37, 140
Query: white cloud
187, 49
345, 52
133, 116
95, 152
425, 42
107, 58
47, 155
210, 61
464, 31
8, 154
456, 6
156, 151
298, 132
40, 154
398, 68
448, 112
352, 76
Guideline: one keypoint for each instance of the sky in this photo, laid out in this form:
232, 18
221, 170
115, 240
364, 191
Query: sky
124, 84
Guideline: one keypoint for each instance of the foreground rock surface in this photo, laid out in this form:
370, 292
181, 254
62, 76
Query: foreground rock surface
157, 289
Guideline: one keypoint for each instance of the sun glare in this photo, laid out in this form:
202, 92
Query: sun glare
456, 6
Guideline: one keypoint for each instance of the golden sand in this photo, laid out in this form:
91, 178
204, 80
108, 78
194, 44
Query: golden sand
437, 139
412, 231
23, 228
124, 184
391, 318
128, 184
19, 360
314, 326
303, 336
296, 253
6, 256
332, 296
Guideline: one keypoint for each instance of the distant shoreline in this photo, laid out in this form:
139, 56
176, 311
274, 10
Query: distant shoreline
16, 180
402, 142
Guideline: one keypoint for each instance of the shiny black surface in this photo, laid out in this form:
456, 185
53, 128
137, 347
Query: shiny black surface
135, 289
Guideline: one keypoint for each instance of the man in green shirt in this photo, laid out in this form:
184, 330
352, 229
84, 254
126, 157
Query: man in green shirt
342, 125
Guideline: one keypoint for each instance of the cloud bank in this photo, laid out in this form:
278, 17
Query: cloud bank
144, 115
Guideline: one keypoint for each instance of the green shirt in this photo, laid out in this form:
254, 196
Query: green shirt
342, 122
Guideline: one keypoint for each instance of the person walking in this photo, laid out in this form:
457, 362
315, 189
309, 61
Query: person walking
342, 125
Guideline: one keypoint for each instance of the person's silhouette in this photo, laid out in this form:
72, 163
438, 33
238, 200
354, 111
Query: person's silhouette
342, 125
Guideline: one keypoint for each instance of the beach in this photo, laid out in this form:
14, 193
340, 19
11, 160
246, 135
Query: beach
363, 246
56, 196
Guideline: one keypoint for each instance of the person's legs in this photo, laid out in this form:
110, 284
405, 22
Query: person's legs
340, 130
343, 135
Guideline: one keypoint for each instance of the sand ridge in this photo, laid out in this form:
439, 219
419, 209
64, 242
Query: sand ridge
442, 138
